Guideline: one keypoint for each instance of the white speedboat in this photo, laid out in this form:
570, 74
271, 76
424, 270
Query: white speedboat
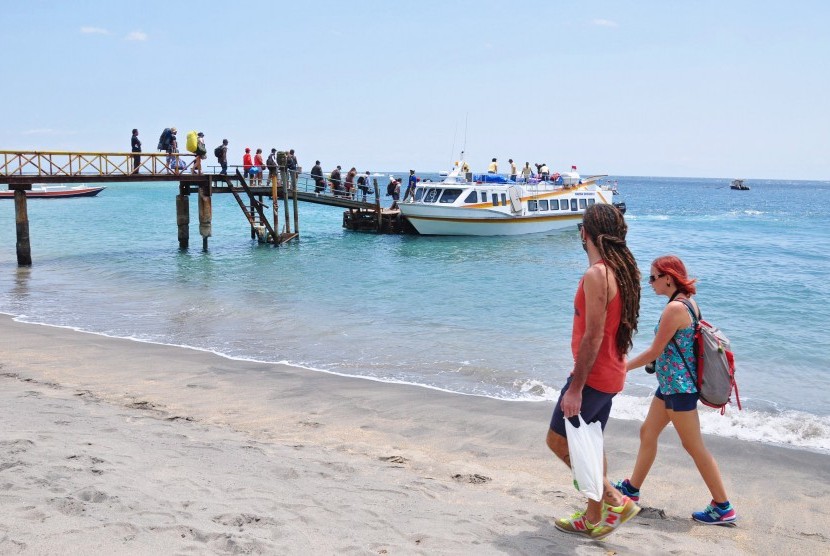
491, 205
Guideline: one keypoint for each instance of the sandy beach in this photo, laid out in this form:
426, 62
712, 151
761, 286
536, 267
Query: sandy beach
113, 446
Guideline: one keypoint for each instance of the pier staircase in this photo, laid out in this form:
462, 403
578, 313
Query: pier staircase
254, 211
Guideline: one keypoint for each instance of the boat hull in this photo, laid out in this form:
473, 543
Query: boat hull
467, 225
479, 209
55, 193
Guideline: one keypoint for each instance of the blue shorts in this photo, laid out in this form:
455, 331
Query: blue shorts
596, 406
678, 402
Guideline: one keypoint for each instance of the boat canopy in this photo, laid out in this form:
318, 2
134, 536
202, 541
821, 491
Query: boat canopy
490, 178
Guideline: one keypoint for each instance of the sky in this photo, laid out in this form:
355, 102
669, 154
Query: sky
722, 89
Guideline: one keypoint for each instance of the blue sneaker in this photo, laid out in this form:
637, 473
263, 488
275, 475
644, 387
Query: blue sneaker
713, 515
626, 489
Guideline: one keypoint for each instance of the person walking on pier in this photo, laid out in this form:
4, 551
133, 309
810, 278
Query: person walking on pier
172, 152
363, 185
271, 163
336, 182
292, 168
247, 162
410, 188
221, 153
351, 192
317, 176
201, 153
259, 163
135, 146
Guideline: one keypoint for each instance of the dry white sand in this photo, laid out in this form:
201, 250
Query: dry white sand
117, 447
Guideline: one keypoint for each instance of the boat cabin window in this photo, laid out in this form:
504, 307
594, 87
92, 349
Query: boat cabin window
495, 199
554, 204
583, 204
504, 199
419, 193
543, 204
431, 195
573, 205
532, 206
472, 197
591, 202
450, 195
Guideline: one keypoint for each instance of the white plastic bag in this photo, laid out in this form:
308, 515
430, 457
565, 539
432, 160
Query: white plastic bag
585, 447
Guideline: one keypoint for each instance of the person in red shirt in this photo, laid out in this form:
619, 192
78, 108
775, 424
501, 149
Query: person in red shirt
259, 165
247, 163
606, 308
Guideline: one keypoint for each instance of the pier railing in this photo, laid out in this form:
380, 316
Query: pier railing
62, 163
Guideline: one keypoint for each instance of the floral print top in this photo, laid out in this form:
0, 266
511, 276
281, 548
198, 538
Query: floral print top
672, 374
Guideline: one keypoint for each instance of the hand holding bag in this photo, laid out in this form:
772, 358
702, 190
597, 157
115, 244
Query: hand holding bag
585, 447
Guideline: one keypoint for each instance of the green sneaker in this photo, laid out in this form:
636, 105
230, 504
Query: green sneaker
575, 524
614, 516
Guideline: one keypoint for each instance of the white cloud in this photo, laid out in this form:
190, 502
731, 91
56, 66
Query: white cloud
605, 23
94, 31
136, 36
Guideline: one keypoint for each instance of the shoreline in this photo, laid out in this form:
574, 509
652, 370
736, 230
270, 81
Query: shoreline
126, 446
803, 431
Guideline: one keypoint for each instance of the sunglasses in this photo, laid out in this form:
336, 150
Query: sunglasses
652, 278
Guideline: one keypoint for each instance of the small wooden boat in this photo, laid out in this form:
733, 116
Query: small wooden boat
41, 191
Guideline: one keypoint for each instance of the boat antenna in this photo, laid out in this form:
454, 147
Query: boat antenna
454, 134
464, 149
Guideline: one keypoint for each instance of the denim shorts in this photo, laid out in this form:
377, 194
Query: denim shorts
596, 406
678, 402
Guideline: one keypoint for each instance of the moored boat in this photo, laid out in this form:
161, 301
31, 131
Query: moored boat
492, 205
42, 191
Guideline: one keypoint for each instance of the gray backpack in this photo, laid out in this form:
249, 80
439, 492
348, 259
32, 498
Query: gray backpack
715, 363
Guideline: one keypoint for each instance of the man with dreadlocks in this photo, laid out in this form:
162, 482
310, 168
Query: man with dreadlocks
606, 309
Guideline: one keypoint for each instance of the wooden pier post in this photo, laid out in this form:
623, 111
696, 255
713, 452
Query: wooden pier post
296, 214
21, 217
285, 200
377, 204
183, 219
275, 208
205, 214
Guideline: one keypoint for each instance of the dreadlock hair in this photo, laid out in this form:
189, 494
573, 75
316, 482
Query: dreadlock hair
604, 223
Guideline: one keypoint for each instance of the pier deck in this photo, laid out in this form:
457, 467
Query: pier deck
20, 170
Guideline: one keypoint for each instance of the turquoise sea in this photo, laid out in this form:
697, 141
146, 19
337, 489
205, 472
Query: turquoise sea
478, 316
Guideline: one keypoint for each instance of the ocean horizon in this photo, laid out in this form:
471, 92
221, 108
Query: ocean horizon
476, 316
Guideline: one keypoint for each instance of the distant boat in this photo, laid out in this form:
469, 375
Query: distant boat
43, 191
739, 185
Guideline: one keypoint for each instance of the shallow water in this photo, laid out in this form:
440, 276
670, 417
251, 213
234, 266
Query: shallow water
484, 316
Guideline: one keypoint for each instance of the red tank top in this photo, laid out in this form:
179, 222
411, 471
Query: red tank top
608, 373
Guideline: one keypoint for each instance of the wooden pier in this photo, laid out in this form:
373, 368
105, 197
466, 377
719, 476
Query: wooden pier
20, 170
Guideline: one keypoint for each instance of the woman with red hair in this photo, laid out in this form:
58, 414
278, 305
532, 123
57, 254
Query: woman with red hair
671, 355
